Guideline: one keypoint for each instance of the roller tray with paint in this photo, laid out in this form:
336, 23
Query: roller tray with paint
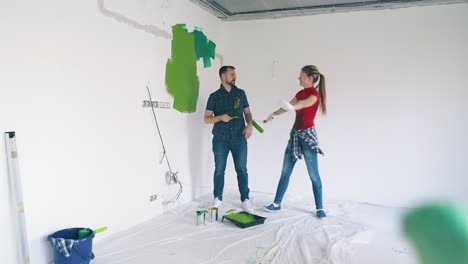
244, 219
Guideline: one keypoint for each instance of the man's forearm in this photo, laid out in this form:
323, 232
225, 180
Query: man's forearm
248, 118
212, 119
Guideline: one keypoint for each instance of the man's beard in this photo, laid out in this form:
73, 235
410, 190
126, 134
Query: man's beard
232, 83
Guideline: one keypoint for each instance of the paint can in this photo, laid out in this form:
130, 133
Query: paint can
201, 218
213, 214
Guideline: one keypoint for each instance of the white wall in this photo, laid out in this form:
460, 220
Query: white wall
72, 83
395, 133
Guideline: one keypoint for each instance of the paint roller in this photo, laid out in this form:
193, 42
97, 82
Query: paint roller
254, 124
285, 106
86, 232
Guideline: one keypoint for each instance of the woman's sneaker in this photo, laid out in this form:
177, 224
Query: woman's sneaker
321, 214
272, 208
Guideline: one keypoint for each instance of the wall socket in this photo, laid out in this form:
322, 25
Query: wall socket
153, 197
156, 104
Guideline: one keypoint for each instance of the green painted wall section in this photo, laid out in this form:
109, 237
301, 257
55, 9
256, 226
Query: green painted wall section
181, 69
204, 48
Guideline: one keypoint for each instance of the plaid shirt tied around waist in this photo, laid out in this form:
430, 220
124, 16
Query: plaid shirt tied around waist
309, 135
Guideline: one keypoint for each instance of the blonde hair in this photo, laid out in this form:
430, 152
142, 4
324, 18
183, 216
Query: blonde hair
311, 70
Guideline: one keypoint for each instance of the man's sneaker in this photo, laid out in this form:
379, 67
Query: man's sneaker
272, 208
321, 213
216, 202
247, 206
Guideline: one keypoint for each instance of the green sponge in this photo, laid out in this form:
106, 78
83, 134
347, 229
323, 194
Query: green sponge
439, 232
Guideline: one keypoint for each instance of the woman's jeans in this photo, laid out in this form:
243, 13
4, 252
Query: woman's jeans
238, 150
312, 167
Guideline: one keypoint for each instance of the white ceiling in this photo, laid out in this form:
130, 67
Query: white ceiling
264, 9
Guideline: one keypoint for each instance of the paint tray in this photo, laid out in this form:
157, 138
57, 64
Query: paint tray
244, 219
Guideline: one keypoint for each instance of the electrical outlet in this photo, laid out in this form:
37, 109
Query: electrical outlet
153, 197
156, 104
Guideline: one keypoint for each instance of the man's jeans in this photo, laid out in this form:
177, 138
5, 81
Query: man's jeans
238, 150
310, 158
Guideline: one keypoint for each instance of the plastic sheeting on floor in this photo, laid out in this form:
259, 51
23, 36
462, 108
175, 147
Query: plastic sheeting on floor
352, 233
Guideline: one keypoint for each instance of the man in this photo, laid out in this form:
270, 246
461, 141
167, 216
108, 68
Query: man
226, 109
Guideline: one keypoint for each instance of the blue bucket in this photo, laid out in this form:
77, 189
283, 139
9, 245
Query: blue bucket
82, 250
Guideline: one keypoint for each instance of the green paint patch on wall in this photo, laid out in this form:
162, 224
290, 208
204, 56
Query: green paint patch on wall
204, 48
181, 69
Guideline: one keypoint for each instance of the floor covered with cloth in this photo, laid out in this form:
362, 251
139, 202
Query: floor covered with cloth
353, 233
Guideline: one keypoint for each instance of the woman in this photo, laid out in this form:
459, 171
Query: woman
303, 137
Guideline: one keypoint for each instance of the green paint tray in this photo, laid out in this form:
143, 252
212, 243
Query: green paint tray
244, 219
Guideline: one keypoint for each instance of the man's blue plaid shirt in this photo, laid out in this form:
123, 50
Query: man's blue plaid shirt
232, 103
